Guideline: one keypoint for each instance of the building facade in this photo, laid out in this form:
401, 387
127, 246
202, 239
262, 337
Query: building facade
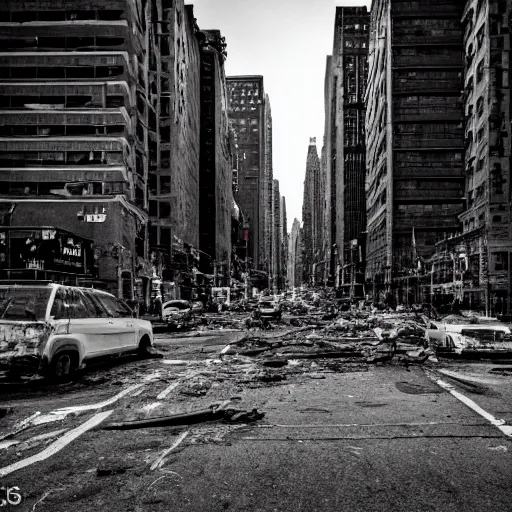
216, 167
249, 115
74, 143
343, 154
414, 138
473, 268
174, 139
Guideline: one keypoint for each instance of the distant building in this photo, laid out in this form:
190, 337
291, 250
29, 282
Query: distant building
283, 238
312, 213
414, 138
295, 266
249, 115
276, 237
344, 152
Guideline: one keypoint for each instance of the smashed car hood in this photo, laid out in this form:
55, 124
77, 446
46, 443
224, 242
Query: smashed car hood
22, 338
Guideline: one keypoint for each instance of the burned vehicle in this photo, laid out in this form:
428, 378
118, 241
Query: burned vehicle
176, 313
267, 309
53, 329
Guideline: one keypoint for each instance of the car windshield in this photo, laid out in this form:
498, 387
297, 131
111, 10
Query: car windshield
266, 305
24, 303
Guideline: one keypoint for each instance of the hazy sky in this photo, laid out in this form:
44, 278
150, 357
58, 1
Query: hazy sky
287, 42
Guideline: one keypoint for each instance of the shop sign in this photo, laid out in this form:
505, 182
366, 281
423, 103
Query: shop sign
95, 217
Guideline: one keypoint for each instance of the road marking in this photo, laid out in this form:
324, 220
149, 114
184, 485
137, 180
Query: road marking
152, 406
60, 414
506, 429
57, 445
22, 425
167, 390
159, 462
137, 392
100, 405
344, 425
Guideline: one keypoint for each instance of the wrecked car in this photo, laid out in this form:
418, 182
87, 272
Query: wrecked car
470, 339
176, 313
197, 307
53, 329
268, 309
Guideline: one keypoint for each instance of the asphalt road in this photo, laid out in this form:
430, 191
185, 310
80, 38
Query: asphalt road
335, 437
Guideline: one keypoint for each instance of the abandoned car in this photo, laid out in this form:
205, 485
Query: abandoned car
53, 329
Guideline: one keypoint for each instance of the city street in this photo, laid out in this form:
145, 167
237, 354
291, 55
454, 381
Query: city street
341, 436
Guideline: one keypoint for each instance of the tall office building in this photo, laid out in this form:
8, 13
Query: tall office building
414, 137
295, 249
215, 169
343, 155
250, 117
474, 266
312, 213
74, 144
284, 243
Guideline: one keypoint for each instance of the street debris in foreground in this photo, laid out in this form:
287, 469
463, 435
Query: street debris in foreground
215, 412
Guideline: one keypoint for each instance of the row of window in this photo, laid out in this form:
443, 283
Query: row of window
73, 303
31, 158
64, 101
44, 188
30, 72
164, 183
61, 43
68, 15
59, 130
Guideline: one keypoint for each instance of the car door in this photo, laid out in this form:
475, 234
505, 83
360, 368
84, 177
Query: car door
79, 318
122, 318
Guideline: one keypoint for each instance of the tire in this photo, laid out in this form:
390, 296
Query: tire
63, 366
144, 349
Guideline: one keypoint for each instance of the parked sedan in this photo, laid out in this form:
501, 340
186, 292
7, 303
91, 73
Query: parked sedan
176, 313
54, 329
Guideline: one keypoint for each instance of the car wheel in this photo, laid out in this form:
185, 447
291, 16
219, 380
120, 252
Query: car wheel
144, 349
63, 366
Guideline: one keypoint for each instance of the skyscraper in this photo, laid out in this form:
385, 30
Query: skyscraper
415, 169
343, 155
250, 117
312, 212
74, 152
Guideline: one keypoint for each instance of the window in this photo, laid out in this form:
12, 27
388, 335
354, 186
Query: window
165, 210
165, 184
70, 303
115, 308
480, 71
480, 36
165, 236
479, 106
500, 260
